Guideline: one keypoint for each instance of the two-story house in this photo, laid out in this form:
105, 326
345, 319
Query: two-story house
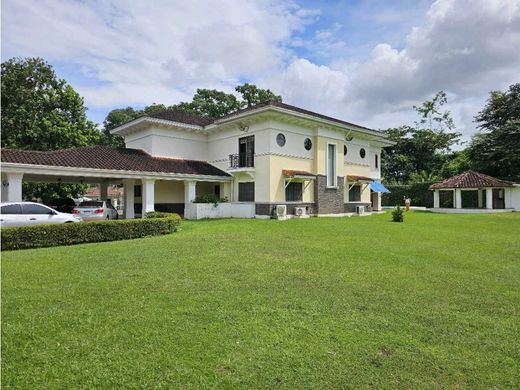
257, 158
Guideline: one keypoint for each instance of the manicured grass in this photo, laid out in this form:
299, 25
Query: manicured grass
318, 303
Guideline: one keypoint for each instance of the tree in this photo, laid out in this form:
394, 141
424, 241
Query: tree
43, 112
210, 103
420, 152
252, 95
495, 150
40, 111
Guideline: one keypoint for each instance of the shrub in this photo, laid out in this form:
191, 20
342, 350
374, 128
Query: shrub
83, 232
418, 193
209, 198
397, 214
161, 214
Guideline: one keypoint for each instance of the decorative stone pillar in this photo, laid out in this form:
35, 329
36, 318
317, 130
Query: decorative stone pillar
489, 198
128, 185
148, 190
436, 200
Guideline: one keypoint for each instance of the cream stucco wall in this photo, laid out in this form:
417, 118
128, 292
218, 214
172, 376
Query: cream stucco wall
278, 180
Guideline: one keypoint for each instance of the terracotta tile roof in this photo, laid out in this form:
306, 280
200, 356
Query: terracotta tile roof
105, 157
471, 179
292, 173
182, 117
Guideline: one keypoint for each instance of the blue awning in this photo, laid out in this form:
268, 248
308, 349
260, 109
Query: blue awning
377, 186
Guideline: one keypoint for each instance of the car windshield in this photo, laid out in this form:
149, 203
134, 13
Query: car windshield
91, 203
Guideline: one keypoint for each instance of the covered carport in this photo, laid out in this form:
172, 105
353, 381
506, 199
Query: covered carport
104, 166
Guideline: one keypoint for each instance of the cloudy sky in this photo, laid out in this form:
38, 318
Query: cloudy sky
364, 61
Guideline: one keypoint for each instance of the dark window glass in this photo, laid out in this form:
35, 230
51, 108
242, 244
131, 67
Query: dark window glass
137, 191
11, 209
354, 195
344, 150
216, 190
35, 209
362, 153
293, 192
280, 139
307, 144
377, 161
246, 192
91, 203
246, 152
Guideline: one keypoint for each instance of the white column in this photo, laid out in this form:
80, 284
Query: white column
13, 187
489, 198
507, 198
189, 191
103, 191
458, 198
128, 185
479, 196
436, 201
148, 191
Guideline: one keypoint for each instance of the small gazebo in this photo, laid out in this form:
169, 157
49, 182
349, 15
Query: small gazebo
473, 191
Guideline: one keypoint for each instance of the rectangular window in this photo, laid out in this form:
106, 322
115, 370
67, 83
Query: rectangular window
137, 191
354, 195
246, 192
246, 152
216, 190
377, 161
331, 165
294, 192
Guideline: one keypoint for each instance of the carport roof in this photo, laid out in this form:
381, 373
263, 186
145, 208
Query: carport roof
109, 158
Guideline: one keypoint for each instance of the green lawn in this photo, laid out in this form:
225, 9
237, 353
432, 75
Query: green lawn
315, 303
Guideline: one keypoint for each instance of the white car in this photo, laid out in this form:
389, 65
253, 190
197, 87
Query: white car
95, 210
30, 213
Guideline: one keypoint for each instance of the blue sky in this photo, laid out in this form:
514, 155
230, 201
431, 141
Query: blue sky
363, 61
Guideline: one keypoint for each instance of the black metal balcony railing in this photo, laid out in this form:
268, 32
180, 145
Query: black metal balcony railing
241, 161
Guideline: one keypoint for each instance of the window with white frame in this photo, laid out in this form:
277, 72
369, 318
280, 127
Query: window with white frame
331, 165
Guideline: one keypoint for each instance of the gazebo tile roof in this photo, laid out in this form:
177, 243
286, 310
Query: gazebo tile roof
471, 179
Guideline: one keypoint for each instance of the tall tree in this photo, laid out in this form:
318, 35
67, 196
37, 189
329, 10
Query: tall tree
41, 111
420, 151
495, 150
210, 103
252, 95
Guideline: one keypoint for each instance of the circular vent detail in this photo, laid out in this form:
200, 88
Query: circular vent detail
362, 153
307, 144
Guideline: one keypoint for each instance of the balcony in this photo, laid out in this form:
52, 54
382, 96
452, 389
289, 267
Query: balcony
237, 161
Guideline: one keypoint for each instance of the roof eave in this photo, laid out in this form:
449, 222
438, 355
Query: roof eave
128, 127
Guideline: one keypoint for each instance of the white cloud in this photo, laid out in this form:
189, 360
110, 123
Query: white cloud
465, 48
160, 51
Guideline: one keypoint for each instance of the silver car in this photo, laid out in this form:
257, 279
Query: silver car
31, 213
95, 210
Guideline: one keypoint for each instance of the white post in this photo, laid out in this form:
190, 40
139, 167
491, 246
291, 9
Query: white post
436, 201
458, 198
479, 195
128, 185
13, 186
489, 198
507, 198
148, 190
189, 191
103, 191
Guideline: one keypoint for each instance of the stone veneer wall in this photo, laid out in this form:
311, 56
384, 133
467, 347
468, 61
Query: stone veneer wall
329, 200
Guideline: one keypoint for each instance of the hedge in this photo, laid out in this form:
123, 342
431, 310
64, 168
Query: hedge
84, 232
417, 192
